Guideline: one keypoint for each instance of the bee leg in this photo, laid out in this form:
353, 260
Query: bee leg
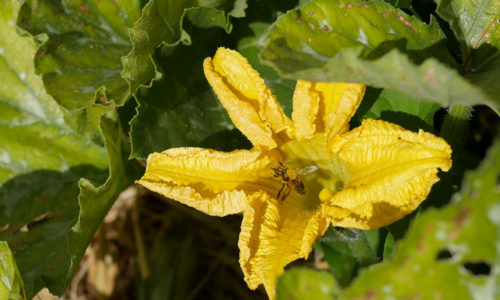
282, 187
283, 193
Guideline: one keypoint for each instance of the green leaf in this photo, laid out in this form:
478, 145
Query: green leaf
377, 44
11, 283
161, 23
392, 106
80, 62
95, 200
181, 109
346, 250
389, 246
38, 209
322, 28
451, 252
33, 132
474, 22
42, 161
306, 284
40, 220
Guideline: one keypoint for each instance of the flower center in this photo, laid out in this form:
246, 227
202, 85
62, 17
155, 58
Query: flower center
306, 169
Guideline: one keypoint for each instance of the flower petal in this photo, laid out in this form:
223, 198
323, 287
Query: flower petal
273, 234
216, 183
324, 106
244, 94
305, 109
389, 172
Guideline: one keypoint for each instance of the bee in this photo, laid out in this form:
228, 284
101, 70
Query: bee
290, 178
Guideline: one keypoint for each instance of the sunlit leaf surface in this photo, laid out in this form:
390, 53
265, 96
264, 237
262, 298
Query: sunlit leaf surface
33, 132
11, 283
375, 43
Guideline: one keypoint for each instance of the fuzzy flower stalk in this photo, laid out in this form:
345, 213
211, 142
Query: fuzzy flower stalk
302, 174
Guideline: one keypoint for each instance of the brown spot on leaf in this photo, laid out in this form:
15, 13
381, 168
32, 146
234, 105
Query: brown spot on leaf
421, 244
370, 294
462, 217
459, 221
85, 8
312, 12
430, 228
406, 22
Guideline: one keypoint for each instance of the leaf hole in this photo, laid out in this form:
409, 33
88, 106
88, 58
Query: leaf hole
478, 268
5, 227
444, 254
39, 220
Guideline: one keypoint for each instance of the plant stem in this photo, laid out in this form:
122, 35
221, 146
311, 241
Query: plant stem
456, 125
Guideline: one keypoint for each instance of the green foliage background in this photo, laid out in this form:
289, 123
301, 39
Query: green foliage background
89, 88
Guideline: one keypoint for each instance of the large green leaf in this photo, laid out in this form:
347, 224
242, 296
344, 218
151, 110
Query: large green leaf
32, 128
42, 161
322, 28
11, 283
161, 23
474, 22
377, 44
39, 211
181, 109
85, 42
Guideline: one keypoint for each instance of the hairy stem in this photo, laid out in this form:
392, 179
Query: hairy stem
456, 125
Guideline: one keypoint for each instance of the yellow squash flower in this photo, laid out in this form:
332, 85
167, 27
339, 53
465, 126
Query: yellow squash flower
302, 174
